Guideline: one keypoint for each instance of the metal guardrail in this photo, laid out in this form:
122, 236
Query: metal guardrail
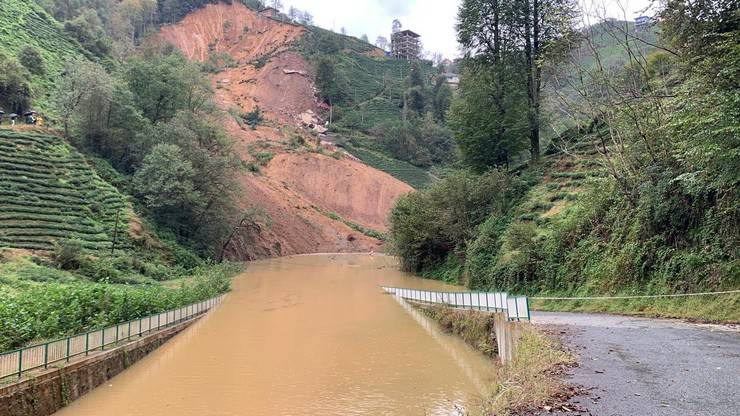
22, 360
515, 307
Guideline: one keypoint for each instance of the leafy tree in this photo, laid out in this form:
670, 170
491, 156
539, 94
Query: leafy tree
207, 149
82, 82
415, 97
516, 33
165, 182
364, 38
87, 28
441, 99
332, 85
15, 91
31, 58
430, 225
485, 136
164, 85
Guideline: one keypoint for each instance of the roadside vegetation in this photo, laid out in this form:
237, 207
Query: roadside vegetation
529, 382
38, 301
635, 195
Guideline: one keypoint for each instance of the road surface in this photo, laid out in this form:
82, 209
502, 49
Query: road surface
648, 367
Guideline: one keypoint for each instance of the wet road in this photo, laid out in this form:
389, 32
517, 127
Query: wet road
637, 366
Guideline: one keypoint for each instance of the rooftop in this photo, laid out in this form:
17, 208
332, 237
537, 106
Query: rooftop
410, 33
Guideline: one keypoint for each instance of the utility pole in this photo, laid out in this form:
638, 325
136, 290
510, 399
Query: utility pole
115, 232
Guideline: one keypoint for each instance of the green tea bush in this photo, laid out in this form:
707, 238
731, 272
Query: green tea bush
54, 310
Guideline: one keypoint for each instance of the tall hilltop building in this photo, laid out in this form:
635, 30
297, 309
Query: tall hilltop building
405, 44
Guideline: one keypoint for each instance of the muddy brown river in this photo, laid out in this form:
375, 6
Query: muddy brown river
304, 335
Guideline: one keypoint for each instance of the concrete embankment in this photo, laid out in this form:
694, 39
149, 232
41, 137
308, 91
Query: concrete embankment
48, 391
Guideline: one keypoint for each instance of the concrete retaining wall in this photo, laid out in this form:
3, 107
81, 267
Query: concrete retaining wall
507, 336
49, 391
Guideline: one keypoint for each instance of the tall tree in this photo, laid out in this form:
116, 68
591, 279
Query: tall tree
541, 24
381, 42
514, 36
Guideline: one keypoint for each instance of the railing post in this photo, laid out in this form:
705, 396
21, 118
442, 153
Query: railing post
116, 333
129, 331
46, 356
102, 339
69, 340
87, 343
20, 363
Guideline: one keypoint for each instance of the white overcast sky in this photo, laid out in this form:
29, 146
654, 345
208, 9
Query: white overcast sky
434, 20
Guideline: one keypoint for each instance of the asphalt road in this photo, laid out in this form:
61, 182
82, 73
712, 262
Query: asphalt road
645, 367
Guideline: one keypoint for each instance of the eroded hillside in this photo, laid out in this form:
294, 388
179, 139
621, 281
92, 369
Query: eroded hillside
317, 198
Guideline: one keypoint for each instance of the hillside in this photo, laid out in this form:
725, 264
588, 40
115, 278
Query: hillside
25, 23
48, 193
318, 198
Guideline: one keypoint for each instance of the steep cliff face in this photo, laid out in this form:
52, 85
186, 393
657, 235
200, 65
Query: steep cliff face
316, 196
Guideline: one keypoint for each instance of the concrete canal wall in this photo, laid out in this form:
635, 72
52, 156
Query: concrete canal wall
48, 391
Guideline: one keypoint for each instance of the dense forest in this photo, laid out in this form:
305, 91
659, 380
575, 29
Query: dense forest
635, 194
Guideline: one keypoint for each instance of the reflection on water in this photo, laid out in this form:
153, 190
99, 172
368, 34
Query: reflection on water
304, 335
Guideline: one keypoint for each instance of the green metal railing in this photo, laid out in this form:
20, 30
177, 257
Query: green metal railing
515, 307
17, 362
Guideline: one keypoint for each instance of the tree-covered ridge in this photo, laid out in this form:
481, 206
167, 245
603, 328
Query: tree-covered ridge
640, 197
382, 105
25, 28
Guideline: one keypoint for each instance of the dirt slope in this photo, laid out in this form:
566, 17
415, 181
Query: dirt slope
301, 183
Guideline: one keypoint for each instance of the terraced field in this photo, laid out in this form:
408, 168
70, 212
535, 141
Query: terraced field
406, 172
48, 192
25, 23
570, 167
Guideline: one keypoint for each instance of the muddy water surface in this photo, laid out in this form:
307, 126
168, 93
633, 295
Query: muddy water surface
306, 335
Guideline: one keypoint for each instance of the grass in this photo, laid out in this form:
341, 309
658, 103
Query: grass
357, 227
716, 308
24, 23
475, 328
530, 381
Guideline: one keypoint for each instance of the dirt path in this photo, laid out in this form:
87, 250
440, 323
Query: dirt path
645, 367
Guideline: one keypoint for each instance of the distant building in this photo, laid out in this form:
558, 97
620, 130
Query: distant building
405, 44
270, 12
643, 22
453, 80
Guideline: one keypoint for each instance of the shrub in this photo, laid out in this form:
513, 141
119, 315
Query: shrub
254, 117
31, 58
68, 254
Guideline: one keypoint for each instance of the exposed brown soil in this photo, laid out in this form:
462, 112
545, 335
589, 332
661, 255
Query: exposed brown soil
299, 185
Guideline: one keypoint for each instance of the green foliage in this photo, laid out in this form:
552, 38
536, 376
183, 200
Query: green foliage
163, 85
428, 226
488, 132
15, 91
254, 117
420, 142
165, 181
404, 171
31, 58
23, 24
87, 29
68, 254
48, 192
54, 309
332, 85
